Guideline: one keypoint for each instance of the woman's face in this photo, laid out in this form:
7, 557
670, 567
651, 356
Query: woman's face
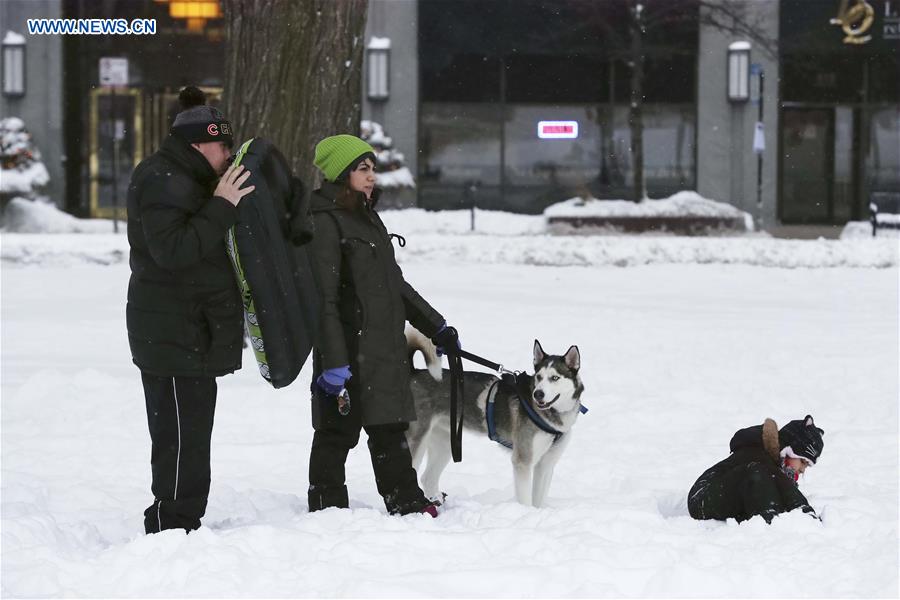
362, 179
798, 464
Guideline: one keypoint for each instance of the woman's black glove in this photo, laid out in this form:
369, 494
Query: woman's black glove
446, 337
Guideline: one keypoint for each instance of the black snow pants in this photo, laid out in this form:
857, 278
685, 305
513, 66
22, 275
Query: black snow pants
180, 417
333, 439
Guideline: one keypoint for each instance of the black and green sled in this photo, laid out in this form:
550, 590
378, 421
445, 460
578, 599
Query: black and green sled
268, 250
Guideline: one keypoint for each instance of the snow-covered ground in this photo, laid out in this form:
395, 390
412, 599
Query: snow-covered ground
41, 216
499, 237
676, 357
855, 230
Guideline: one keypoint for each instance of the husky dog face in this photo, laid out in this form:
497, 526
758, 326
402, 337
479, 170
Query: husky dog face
556, 381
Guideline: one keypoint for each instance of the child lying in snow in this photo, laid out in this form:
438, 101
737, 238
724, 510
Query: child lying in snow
760, 477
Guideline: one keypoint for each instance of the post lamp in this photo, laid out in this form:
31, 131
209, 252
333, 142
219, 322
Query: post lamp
739, 71
13, 65
378, 62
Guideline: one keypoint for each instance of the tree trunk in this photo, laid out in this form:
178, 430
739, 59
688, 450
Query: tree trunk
636, 112
293, 73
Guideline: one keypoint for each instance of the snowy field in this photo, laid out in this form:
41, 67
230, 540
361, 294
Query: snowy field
677, 354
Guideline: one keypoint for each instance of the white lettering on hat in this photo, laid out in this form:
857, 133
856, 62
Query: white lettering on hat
213, 129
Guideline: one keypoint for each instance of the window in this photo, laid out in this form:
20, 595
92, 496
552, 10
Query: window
491, 70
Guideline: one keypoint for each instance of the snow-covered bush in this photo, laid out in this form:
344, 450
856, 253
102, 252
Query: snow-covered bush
22, 174
391, 170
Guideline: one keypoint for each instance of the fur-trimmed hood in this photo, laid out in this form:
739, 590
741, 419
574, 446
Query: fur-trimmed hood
759, 436
770, 439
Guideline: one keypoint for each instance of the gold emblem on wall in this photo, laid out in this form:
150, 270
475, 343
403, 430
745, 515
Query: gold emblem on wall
855, 21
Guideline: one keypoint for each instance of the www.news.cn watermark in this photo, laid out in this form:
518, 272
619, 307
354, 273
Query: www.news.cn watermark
92, 26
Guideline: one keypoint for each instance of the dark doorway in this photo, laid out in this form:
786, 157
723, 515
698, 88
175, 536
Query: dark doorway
807, 165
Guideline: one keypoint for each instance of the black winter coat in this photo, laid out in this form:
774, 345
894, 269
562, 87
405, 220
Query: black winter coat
365, 304
184, 314
750, 482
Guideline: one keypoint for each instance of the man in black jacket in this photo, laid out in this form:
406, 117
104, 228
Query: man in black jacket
184, 314
760, 477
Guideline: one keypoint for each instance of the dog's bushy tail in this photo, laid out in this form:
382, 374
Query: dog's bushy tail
416, 340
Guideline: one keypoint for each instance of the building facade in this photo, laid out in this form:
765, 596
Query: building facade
461, 87
820, 75
90, 135
840, 108
110, 129
37, 101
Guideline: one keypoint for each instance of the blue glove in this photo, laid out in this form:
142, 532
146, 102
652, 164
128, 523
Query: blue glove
332, 381
446, 336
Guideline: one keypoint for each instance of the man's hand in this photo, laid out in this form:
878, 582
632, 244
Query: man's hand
230, 184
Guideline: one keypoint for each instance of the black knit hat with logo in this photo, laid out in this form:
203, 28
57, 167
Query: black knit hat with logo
801, 439
197, 122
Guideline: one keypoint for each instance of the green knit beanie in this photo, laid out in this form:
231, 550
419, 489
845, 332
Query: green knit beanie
336, 153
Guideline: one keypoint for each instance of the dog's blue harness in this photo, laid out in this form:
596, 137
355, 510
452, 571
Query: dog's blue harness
512, 380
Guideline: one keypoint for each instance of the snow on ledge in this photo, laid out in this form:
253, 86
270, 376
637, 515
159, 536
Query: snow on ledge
682, 204
862, 230
13, 39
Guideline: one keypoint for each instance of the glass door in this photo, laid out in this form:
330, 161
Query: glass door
807, 165
116, 148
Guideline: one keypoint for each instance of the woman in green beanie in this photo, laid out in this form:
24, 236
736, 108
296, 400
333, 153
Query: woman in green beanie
361, 364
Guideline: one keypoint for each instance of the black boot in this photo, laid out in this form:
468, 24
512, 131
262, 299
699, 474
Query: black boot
394, 476
321, 497
326, 466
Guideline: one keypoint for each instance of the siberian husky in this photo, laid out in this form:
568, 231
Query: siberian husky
553, 392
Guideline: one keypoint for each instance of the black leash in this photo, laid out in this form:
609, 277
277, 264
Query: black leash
454, 357
456, 403
482, 361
